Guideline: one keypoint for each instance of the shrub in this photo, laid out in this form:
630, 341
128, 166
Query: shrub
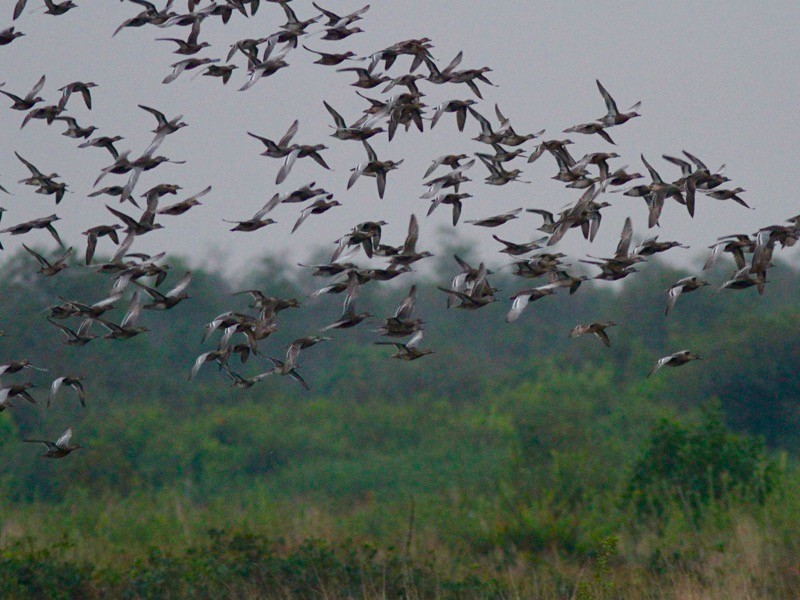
695, 466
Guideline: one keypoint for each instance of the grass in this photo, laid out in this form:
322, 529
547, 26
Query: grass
255, 547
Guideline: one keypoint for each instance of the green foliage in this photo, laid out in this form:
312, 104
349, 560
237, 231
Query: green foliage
694, 466
601, 586
235, 565
28, 572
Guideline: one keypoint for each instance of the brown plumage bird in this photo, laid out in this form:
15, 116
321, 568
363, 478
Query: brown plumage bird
598, 329
60, 448
674, 360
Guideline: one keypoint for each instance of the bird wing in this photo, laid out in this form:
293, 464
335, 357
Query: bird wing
603, 337
182, 284
610, 104
54, 389
43, 262
337, 118
520, 301
410, 244
65, 439
660, 363
577, 331
406, 308
288, 163
287, 137
18, 8
34, 171
625, 239
200, 361
415, 340
134, 309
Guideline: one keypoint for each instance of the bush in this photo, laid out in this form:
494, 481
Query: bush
695, 466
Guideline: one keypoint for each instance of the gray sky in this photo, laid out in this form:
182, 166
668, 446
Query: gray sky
721, 81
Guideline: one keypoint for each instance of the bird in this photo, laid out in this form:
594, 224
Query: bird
349, 317
256, 222
8, 35
17, 389
184, 205
373, 168
72, 381
316, 208
736, 245
46, 113
676, 359
408, 351
340, 32
30, 99
165, 126
48, 268
190, 45
171, 299
150, 16
127, 328
401, 324
300, 151
656, 193
266, 67
60, 448
728, 195
496, 220
74, 130
40, 223
186, 65
240, 382
453, 200
687, 284
451, 160
93, 233
742, 280
597, 328
81, 337
279, 149
360, 130
366, 234
366, 79
220, 356
331, 60
515, 249
71, 308
408, 253
614, 117
651, 246
476, 296
106, 142
522, 298
143, 225
46, 183
77, 87
289, 365
591, 128
335, 20
452, 179
224, 72
15, 366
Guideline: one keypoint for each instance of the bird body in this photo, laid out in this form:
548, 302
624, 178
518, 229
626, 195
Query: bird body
60, 448
676, 359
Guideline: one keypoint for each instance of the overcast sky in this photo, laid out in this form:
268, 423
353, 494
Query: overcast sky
719, 80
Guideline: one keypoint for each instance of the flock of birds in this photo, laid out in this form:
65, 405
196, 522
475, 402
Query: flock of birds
593, 175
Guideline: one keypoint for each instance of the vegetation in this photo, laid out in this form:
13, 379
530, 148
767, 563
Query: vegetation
513, 462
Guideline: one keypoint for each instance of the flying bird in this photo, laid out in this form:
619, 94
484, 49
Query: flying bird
60, 448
